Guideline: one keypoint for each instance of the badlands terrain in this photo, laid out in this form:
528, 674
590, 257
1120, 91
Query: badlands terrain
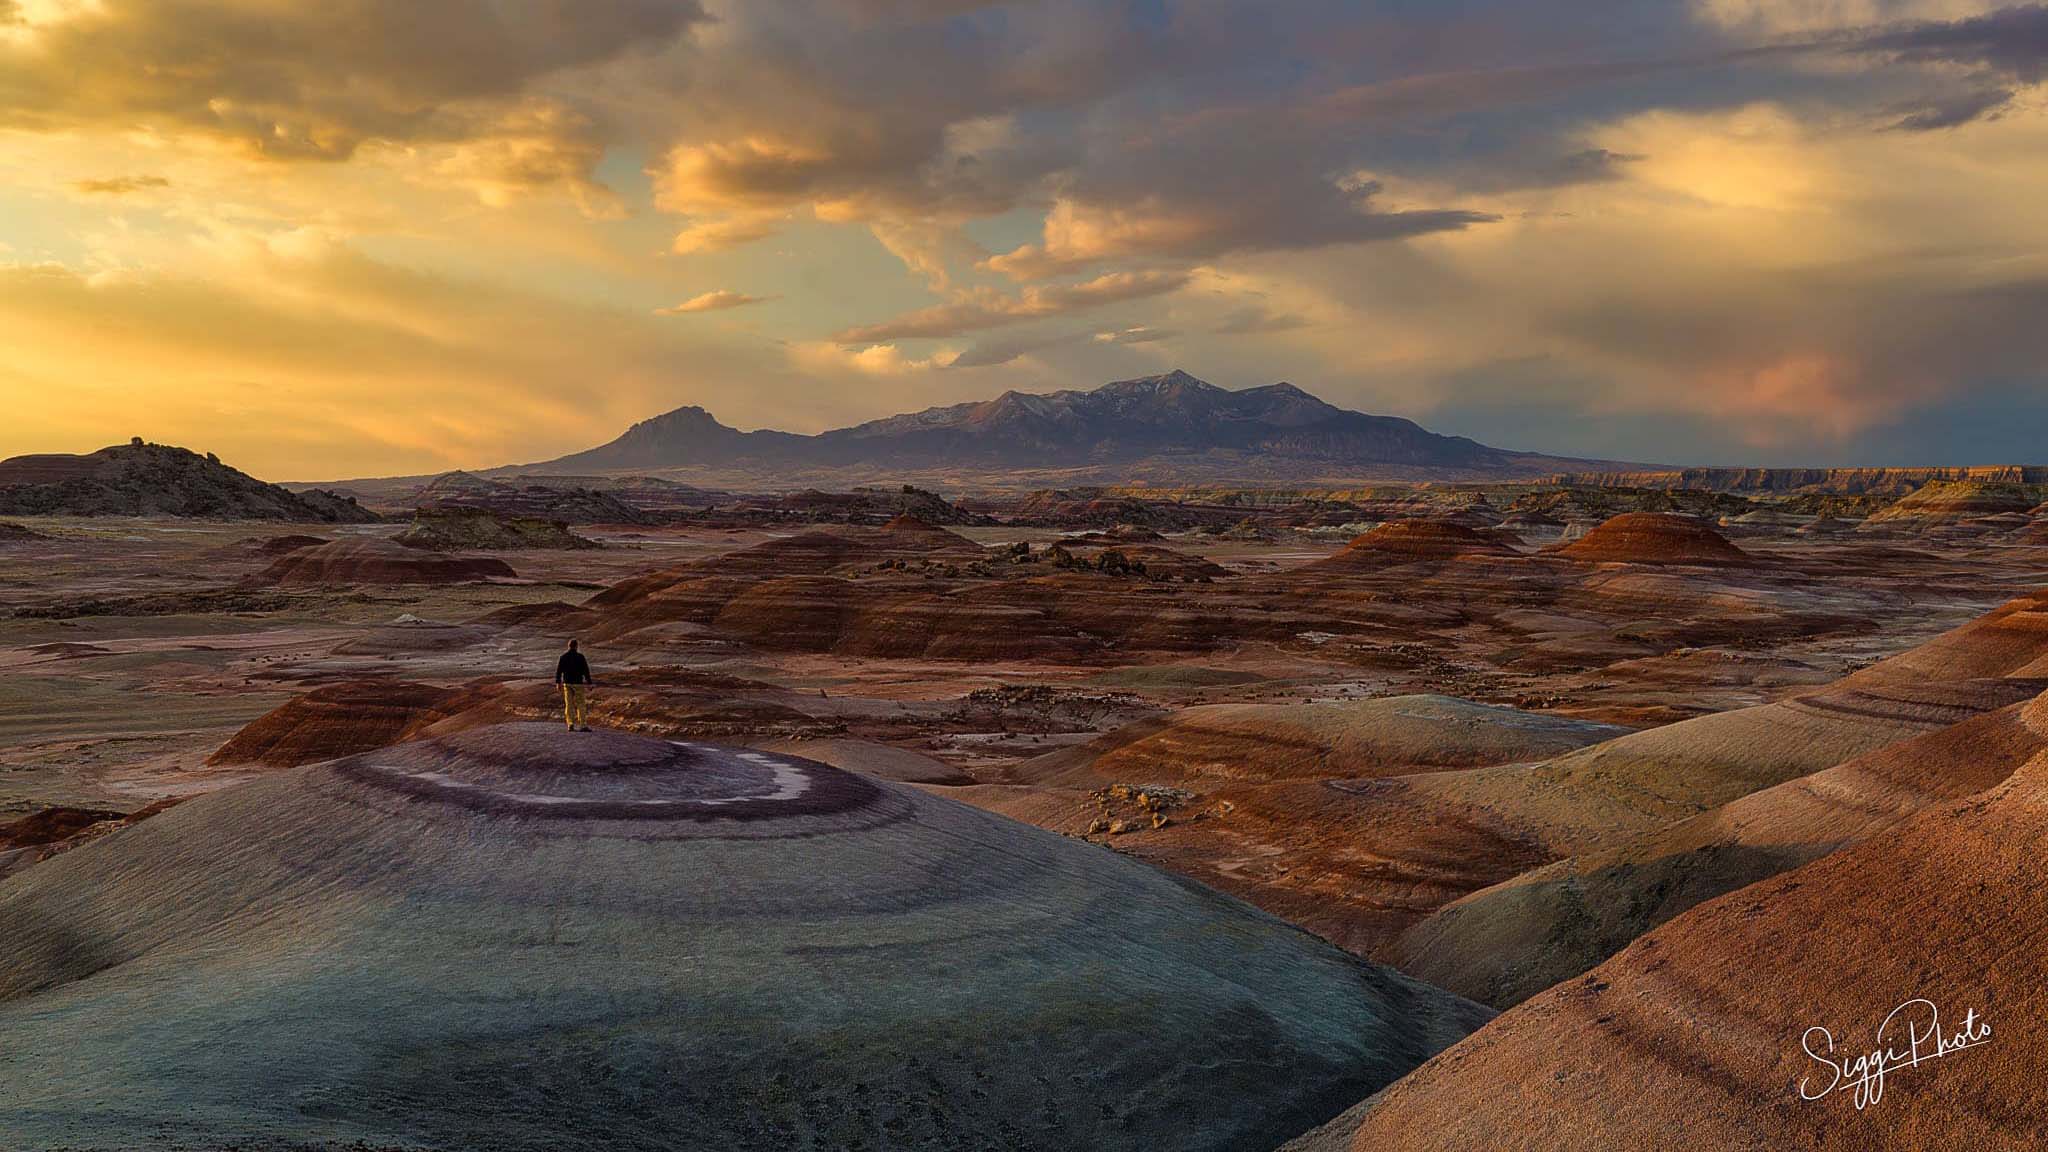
1522, 814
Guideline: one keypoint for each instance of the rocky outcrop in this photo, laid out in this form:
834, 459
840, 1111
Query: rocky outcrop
1944, 504
453, 528
566, 502
139, 479
860, 506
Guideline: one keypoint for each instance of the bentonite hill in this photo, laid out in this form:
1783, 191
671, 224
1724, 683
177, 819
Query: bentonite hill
520, 937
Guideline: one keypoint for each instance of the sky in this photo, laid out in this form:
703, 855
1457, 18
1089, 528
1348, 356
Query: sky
374, 237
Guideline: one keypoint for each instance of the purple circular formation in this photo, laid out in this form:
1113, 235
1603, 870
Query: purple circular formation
542, 772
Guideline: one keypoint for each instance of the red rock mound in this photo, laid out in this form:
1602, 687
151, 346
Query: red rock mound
1654, 538
379, 562
908, 523
2009, 641
1405, 541
337, 720
51, 825
552, 617
283, 545
815, 553
37, 837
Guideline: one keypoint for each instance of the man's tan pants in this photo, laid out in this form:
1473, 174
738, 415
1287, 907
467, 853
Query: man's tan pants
576, 704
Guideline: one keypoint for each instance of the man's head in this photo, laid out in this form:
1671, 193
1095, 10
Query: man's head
572, 645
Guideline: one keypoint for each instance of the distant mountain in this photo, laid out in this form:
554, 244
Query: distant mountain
682, 437
1815, 481
138, 479
1158, 429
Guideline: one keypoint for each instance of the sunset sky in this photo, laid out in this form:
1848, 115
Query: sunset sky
359, 237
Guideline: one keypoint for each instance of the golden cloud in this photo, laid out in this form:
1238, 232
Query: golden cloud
983, 308
717, 301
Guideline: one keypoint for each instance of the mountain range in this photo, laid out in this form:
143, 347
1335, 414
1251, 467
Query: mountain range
1167, 429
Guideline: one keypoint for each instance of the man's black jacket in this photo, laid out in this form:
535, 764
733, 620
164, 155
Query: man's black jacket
572, 668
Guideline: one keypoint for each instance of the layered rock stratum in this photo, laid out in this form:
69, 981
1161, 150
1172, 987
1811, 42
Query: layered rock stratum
1654, 823
365, 560
1739, 1024
1654, 538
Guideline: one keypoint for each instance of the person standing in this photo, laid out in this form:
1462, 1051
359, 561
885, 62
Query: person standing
572, 672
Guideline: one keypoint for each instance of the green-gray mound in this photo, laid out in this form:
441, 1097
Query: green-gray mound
523, 938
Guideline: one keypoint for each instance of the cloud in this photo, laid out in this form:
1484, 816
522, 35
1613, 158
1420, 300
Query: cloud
988, 309
1953, 111
928, 248
1586, 166
1138, 335
827, 357
717, 301
534, 145
995, 353
1760, 288
1258, 321
317, 82
2011, 42
1779, 18
1998, 51
1079, 234
717, 235
120, 185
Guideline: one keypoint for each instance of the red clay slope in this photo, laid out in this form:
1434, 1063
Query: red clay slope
1401, 541
337, 720
1654, 538
363, 561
